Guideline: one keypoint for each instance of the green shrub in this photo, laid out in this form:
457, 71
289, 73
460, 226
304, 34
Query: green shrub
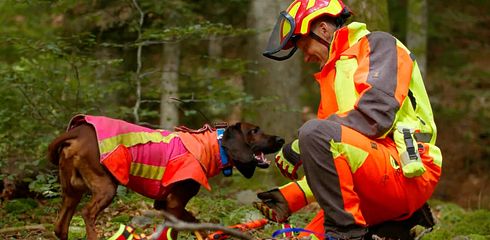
20, 205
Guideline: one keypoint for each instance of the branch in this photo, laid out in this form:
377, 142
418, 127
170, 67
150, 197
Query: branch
77, 77
28, 228
173, 222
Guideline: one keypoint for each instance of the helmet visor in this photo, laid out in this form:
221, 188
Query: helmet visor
282, 41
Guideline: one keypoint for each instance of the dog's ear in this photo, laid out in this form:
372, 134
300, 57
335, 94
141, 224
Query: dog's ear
238, 150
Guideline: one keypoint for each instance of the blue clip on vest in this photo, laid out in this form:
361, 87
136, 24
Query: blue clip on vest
227, 168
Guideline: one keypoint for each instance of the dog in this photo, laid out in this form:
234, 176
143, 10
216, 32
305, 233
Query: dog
97, 153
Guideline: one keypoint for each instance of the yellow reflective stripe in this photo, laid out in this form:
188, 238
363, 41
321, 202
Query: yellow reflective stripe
294, 9
400, 45
345, 91
303, 184
357, 30
134, 138
169, 234
333, 8
311, 3
147, 171
436, 154
286, 26
355, 156
295, 146
313, 237
118, 233
287, 184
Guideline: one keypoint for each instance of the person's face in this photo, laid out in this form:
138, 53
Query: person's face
313, 50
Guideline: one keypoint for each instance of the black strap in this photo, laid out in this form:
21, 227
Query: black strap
290, 155
412, 99
407, 136
319, 39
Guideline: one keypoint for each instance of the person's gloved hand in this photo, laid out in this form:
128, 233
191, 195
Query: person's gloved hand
273, 205
288, 160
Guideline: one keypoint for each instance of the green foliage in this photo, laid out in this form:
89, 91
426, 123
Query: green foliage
77, 228
123, 219
41, 93
46, 184
225, 211
20, 205
458, 87
454, 221
197, 31
75, 57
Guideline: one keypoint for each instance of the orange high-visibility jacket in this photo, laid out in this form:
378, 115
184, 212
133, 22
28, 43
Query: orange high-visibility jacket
377, 91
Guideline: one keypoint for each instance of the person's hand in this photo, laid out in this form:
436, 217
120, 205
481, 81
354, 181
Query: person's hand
288, 160
273, 205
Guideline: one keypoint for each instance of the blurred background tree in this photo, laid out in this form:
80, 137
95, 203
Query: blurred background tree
164, 62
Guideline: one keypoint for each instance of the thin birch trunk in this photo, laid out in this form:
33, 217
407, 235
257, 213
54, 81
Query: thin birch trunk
169, 115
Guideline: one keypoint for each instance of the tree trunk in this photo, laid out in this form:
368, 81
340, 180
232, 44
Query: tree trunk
215, 50
169, 116
277, 80
417, 32
372, 12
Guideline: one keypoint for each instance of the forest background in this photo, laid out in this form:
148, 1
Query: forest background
164, 63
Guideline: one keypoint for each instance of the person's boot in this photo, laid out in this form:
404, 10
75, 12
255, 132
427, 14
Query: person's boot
353, 232
401, 229
423, 217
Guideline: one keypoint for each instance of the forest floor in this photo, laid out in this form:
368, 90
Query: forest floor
228, 204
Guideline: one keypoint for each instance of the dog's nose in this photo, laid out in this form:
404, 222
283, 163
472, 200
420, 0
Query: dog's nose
280, 140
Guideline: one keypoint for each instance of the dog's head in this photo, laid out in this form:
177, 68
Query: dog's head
246, 146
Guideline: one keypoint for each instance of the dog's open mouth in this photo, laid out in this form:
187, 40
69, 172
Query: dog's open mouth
262, 161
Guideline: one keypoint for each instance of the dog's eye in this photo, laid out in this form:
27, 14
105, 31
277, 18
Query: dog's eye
254, 131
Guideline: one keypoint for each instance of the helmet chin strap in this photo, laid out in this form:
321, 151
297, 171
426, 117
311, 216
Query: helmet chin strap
319, 39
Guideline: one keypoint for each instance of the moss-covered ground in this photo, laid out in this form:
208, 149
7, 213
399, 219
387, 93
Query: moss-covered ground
226, 204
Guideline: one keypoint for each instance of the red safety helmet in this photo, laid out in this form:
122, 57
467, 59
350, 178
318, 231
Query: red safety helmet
296, 21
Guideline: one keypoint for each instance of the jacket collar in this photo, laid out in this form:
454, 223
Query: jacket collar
343, 39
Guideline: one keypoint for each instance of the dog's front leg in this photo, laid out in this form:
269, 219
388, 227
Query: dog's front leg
177, 199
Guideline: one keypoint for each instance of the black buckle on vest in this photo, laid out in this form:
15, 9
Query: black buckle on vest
411, 150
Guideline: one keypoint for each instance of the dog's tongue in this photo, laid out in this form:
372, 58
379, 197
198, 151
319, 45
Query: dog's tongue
262, 162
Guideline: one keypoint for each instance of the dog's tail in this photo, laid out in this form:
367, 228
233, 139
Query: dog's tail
57, 144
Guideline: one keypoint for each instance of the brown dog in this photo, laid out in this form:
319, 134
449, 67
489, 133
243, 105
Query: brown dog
97, 153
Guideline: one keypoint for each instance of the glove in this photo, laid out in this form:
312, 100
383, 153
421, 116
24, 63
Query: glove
273, 205
288, 161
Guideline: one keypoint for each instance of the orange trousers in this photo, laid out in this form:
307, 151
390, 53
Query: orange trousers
367, 189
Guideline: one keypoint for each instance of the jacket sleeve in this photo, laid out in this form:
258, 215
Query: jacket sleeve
381, 79
297, 194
